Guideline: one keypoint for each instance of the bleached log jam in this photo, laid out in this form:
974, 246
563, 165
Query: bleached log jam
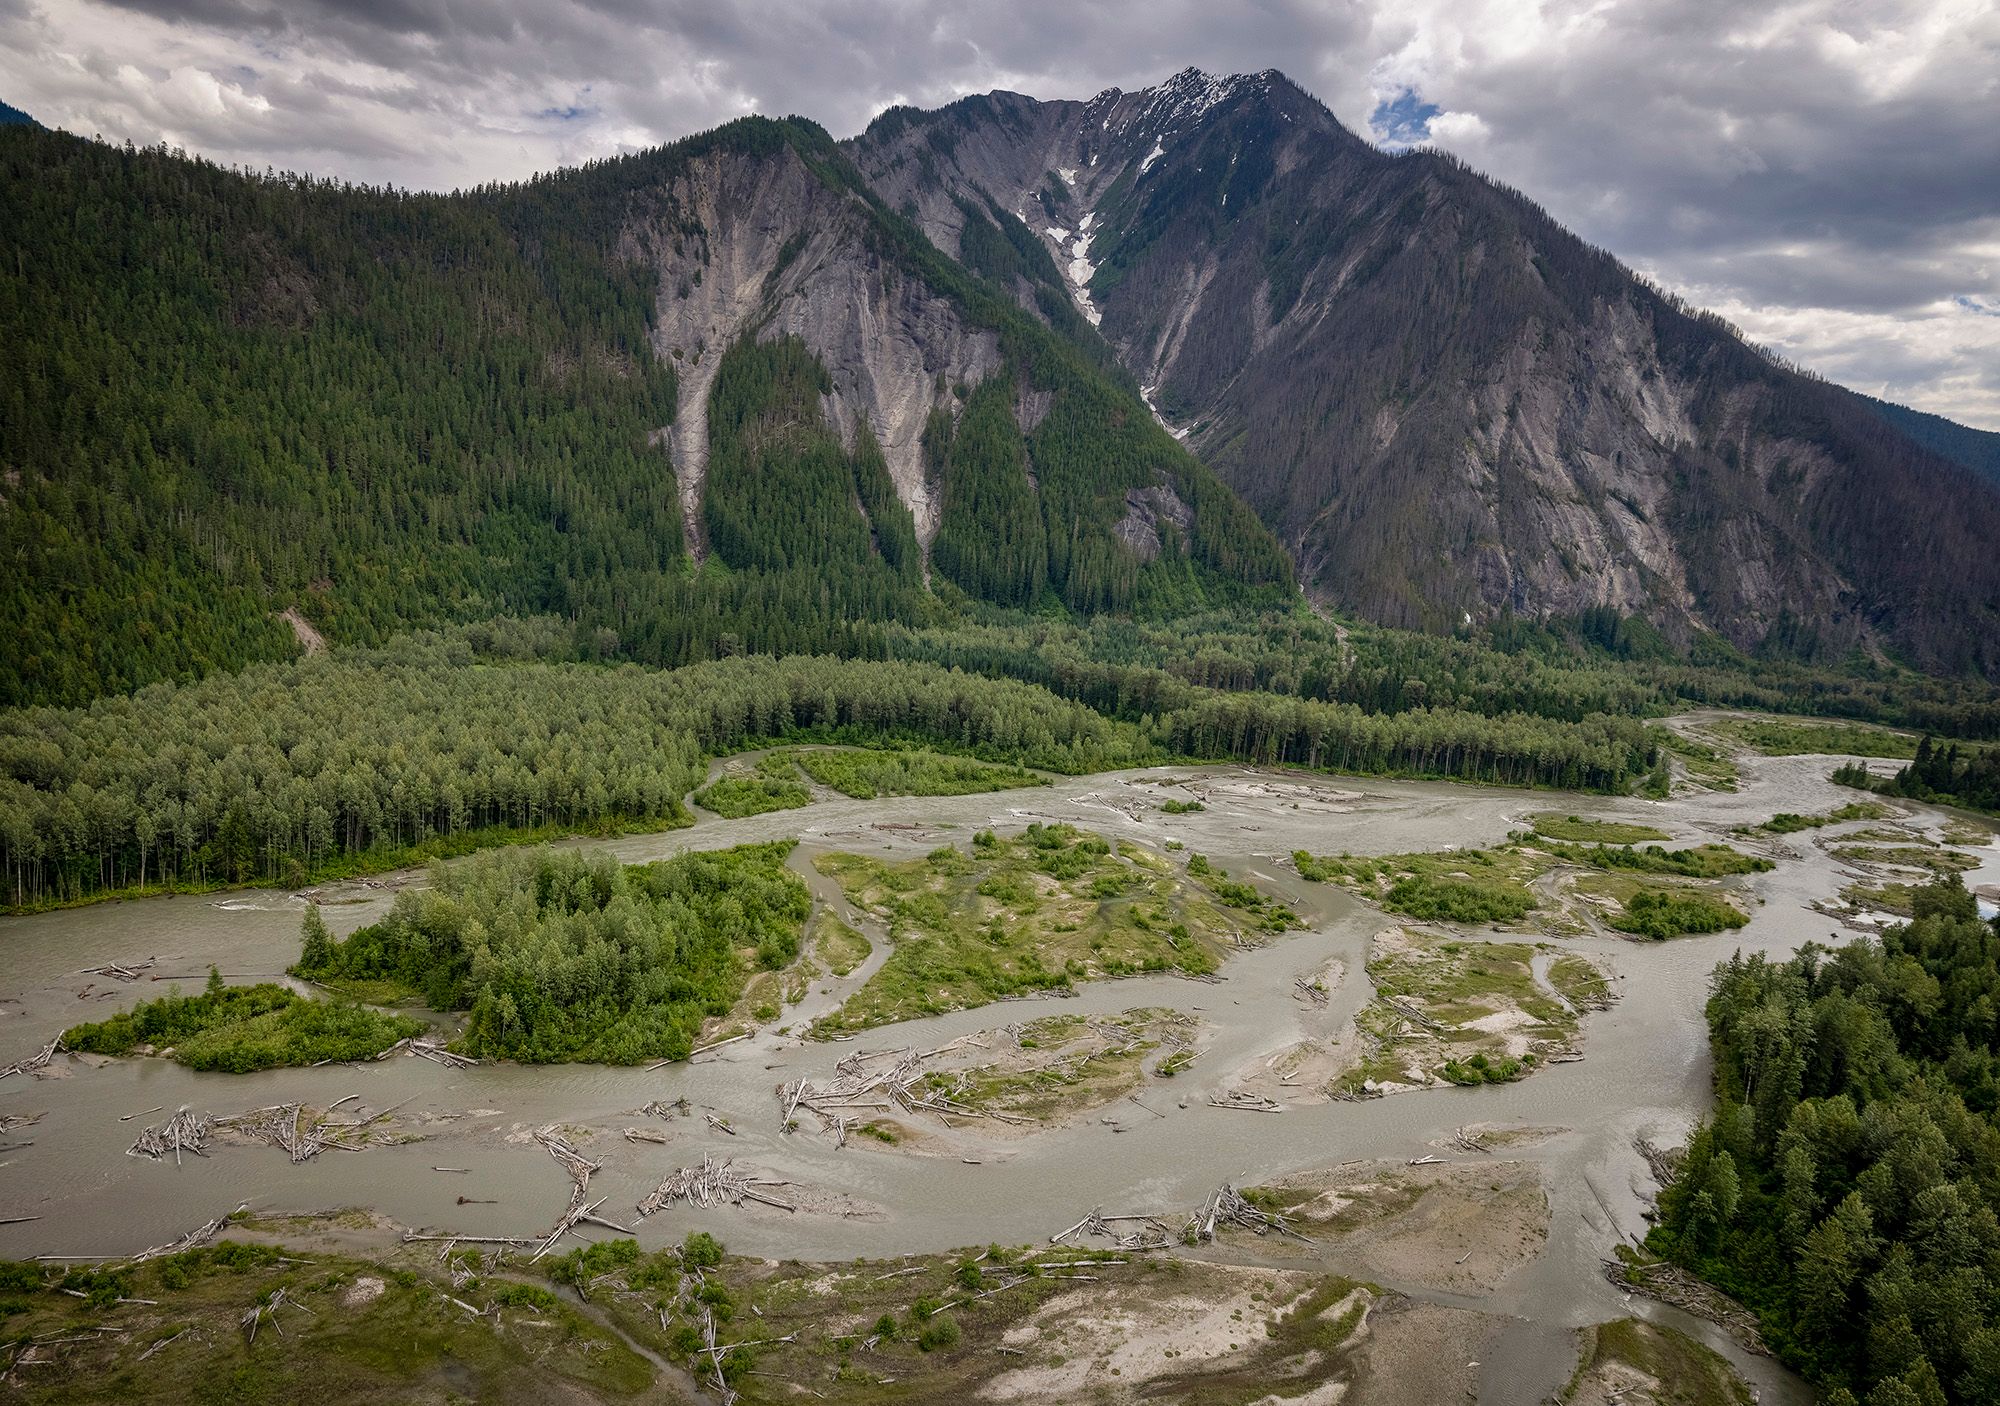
1248, 1103
580, 1169
302, 1134
712, 1183
119, 970
184, 1132
906, 1085
194, 1239
1227, 1206
1152, 1235
35, 1063
432, 1050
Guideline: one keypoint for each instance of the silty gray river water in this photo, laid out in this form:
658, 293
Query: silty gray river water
1646, 1070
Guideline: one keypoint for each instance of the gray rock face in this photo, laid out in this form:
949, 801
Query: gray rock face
776, 252
1444, 404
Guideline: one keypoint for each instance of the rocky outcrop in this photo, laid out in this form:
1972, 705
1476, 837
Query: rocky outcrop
775, 251
1444, 404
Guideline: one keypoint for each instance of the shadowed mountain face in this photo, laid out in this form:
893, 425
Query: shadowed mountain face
1447, 406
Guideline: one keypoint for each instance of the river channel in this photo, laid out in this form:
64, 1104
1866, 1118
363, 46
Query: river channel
1645, 1070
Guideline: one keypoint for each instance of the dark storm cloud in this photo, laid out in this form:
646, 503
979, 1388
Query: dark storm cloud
1825, 172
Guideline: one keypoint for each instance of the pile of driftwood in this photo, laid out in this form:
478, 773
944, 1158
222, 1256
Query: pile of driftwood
184, 1132
297, 1131
868, 1081
1227, 1206
424, 1047
194, 1239
1247, 1103
10, 1121
35, 1063
1671, 1284
119, 970
713, 1183
1311, 992
1664, 1162
301, 1134
1467, 1141
1152, 1234
579, 1211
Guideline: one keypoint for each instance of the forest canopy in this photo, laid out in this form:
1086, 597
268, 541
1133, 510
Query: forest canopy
557, 956
1848, 1185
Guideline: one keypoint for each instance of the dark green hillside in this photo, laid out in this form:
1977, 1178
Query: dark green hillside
224, 396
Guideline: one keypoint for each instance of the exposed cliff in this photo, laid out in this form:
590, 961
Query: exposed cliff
1446, 405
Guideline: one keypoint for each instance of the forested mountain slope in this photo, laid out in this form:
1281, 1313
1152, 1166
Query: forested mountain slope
1446, 405
1978, 450
703, 399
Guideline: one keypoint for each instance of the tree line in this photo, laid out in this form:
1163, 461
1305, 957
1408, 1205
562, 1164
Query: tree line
441, 743
1941, 772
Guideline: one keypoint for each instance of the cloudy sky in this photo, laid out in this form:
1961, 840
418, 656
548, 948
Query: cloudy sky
1825, 173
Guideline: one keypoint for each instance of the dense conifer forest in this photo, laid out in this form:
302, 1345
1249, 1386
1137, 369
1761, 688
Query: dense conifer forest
223, 396
1941, 772
1848, 1186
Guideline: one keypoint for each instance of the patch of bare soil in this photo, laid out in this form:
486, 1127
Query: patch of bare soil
310, 640
1421, 1354
1461, 1227
1091, 1343
1298, 1073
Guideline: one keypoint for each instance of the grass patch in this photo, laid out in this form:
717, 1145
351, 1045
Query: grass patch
1182, 807
1577, 829
1450, 886
240, 1029
1899, 899
1080, 1064
1792, 737
864, 774
1684, 1372
1464, 1011
1964, 832
840, 945
1708, 861
394, 1340
1937, 861
1041, 912
1707, 767
1787, 823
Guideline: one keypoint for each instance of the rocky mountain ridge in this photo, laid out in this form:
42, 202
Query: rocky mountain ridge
1447, 406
